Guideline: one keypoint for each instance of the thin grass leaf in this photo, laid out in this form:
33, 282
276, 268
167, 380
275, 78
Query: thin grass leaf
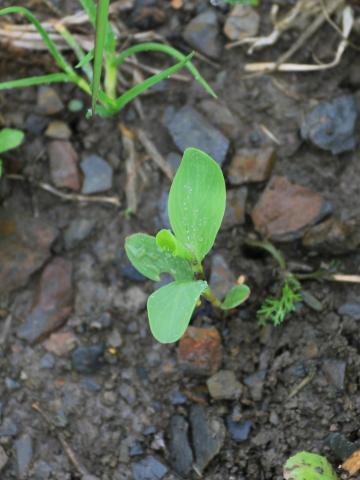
149, 82
31, 81
90, 9
100, 36
159, 47
86, 59
59, 59
75, 46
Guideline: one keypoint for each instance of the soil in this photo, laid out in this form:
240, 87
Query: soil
116, 411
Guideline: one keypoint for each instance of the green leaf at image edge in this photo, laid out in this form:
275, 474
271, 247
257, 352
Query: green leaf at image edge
170, 309
235, 296
10, 138
197, 201
309, 466
152, 261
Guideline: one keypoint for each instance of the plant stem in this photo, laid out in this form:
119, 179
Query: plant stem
208, 293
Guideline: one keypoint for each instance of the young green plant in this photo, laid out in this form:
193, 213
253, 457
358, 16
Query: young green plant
105, 56
308, 466
9, 138
196, 208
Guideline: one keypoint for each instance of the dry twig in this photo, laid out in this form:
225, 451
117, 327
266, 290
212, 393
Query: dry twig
131, 167
74, 197
154, 153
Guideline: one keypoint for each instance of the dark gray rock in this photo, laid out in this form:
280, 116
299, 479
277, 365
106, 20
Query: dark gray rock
136, 449
239, 431
180, 451
24, 455
177, 398
149, 469
36, 124
351, 310
188, 128
334, 371
8, 428
330, 126
208, 434
98, 175
78, 230
341, 447
47, 361
87, 359
202, 33
255, 382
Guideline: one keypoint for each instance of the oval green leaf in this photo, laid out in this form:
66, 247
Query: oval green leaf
197, 202
152, 261
235, 296
10, 138
170, 309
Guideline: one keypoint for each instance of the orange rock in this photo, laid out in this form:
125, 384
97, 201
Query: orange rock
200, 351
60, 343
285, 209
251, 165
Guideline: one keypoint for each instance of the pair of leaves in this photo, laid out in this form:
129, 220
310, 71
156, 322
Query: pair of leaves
196, 208
9, 139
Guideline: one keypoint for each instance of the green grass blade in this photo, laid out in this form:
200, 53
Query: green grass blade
75, 46
100, 36
31, 81
149, 82
87, 59
90, 9
60, 60
159, 47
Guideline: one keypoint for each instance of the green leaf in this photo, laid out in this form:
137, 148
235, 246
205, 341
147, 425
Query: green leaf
100, 37
10, 138
235, 296
197, 202
159, 47
167, 241
133, 92
151, 261
31, 81
170, 309
308, 466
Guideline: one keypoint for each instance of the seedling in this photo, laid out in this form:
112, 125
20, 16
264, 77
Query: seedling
104, 94
308, 466
196, 208
9, 139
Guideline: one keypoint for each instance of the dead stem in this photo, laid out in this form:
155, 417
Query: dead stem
154, 153
74, 197
68, 450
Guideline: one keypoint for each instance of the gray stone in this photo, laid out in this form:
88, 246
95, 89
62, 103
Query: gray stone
341, 447
239, 431
221, 117
48, 101
188, 128
351, 310
47, 361
149, 469
98, 175
173, 159
87, 359
208, 434
221, 277
224, 385
255, 382
3, 458
202, 33
181, 455
242, 22
334, 371
8, 428
59, 130
78, 230
24, 455
235, 207
330, 126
